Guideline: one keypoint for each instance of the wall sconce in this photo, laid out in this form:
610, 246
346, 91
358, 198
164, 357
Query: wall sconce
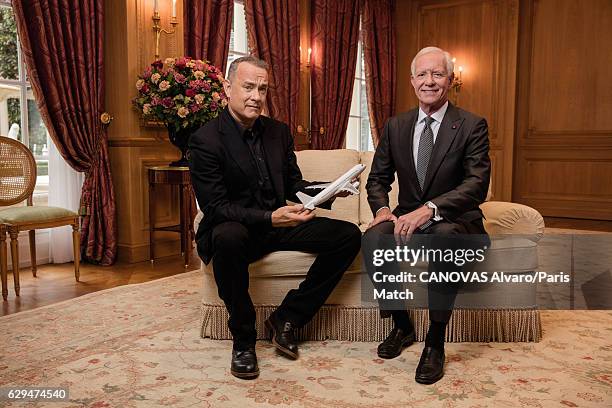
457, 83
157, 27
307, 58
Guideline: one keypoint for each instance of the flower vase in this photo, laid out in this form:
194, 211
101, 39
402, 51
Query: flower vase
180, 138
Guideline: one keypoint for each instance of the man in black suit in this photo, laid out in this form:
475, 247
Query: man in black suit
440, 154
243, 170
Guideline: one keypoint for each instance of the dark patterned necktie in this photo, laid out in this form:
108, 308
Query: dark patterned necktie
426, 144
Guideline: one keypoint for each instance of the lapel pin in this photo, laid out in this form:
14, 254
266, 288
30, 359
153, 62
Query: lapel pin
454, 126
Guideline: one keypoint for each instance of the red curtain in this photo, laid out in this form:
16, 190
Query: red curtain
334, 39
63, 45
208, 25
379, 54
274, 36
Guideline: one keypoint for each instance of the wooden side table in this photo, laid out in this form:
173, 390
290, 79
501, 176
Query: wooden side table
178, 176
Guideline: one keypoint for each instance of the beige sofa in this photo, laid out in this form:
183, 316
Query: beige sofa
346, 317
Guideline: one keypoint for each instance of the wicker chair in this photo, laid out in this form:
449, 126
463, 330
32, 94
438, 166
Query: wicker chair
17, 181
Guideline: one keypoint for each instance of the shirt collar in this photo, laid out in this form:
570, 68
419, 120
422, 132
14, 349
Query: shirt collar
256, 128
437, 115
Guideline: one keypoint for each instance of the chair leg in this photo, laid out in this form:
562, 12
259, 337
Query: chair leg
76, 248
14, 232
3, 265
32, 234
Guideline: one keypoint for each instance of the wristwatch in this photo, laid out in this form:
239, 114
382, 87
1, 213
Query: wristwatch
436, 212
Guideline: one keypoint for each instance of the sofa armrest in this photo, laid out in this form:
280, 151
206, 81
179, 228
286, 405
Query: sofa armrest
512, 218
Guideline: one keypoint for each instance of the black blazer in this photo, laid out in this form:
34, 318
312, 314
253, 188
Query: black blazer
224, 176
458, 174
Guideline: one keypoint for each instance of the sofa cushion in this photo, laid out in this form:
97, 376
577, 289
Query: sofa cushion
286, 263
365, 214
326, 166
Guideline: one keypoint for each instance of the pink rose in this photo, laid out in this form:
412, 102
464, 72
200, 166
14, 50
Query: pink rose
206, 86
213, 106
180, 78
147, 73
167, 102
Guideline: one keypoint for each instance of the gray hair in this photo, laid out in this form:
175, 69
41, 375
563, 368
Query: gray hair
259, 63
450, 65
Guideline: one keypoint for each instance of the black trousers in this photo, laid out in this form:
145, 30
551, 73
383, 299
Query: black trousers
442, 235
235, 246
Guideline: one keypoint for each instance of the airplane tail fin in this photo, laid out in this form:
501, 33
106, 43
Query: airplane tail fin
304, 198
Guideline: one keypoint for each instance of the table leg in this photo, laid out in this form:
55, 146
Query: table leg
151, 220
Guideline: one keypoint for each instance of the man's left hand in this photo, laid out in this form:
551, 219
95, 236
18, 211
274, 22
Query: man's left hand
408, 223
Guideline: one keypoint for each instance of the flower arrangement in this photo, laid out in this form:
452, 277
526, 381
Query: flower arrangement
183, 93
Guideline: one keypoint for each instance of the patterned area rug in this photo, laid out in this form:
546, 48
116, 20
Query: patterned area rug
139, 346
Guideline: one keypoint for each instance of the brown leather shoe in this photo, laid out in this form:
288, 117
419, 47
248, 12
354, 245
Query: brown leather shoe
396, 341
431, 366
282, 336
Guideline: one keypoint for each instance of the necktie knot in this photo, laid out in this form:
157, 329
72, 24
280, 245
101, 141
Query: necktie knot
428, 120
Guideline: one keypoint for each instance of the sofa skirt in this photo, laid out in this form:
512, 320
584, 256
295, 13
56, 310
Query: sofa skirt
350, 323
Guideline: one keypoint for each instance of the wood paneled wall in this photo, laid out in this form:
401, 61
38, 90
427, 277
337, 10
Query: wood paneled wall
564, 136
483, 36
129, 48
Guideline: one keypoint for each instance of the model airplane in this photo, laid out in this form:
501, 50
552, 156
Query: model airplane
342, 183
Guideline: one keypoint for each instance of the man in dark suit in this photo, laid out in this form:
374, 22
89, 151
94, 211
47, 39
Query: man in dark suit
243, 171
440, 154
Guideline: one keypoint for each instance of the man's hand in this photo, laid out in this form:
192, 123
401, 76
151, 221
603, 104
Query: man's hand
291, 215
382, 215
408, 223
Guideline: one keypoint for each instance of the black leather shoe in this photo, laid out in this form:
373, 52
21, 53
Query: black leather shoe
396, 341
244, 363
431, 366
282, 336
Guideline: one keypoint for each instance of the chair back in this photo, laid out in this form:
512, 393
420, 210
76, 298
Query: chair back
17, 172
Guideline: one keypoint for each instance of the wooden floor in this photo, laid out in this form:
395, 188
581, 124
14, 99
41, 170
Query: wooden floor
55, 283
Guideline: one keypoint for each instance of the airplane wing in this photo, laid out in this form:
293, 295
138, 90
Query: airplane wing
351, 187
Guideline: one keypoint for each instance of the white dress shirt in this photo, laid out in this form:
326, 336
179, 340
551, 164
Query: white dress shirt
437, 117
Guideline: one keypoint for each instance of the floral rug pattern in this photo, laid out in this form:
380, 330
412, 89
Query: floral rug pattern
139, 346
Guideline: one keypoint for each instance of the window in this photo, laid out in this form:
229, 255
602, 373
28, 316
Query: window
358, 133
19, 115
238, 38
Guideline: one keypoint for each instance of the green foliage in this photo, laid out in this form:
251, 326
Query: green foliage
8, 44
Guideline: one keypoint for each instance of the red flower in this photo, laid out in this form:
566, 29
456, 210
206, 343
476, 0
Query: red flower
181, 63
157, 64
190, 92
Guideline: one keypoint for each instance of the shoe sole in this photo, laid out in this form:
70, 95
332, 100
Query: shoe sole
429, 381
406, 343
280, 348
245, 376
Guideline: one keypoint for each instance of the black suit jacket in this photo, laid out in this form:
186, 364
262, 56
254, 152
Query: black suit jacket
458, 174
224, 176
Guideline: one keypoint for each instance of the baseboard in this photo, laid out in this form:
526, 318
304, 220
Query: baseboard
140, 253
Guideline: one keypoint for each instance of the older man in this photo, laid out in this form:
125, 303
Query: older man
243, 171
440, 154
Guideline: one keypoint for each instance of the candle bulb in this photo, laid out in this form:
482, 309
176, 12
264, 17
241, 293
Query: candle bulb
460, 71
173, 8
156, 7
309, 52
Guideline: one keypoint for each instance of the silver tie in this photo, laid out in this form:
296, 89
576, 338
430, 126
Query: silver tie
426, 144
